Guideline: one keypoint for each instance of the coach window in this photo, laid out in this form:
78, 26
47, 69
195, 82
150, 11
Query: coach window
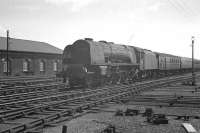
55, 66
26, 65
42, 66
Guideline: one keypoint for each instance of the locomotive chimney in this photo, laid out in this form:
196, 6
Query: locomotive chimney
102, 41
111, 42
89, 39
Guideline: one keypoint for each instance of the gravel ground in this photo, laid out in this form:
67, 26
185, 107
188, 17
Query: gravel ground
129, 124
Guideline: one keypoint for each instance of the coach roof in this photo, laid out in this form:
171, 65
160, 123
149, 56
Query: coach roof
28, 46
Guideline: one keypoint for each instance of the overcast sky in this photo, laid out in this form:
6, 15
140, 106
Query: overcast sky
159, 25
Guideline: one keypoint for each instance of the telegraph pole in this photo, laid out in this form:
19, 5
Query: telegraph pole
7, 52
193, 74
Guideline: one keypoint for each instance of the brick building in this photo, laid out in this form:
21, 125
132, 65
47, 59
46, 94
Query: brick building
29, 58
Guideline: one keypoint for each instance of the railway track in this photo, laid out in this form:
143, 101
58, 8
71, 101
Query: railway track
59, 89
32, 114
30, 88
171, 96
22, 78
10, 82
47, 100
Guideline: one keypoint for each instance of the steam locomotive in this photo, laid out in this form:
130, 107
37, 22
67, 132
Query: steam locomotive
91, 63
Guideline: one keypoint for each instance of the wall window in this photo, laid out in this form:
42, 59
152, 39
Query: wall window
106, 59
4, 62
161, 65
26, 65
42, 66
55, 66
4, 66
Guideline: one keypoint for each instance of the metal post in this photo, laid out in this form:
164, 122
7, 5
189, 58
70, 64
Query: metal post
64, 129
193, 74
7, 52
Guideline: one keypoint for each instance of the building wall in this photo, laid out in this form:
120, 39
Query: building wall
17, 59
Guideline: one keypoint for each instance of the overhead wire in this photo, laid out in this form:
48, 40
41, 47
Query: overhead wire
185, 6
180, 8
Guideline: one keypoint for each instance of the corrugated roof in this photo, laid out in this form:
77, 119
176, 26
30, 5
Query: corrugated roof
28, 46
